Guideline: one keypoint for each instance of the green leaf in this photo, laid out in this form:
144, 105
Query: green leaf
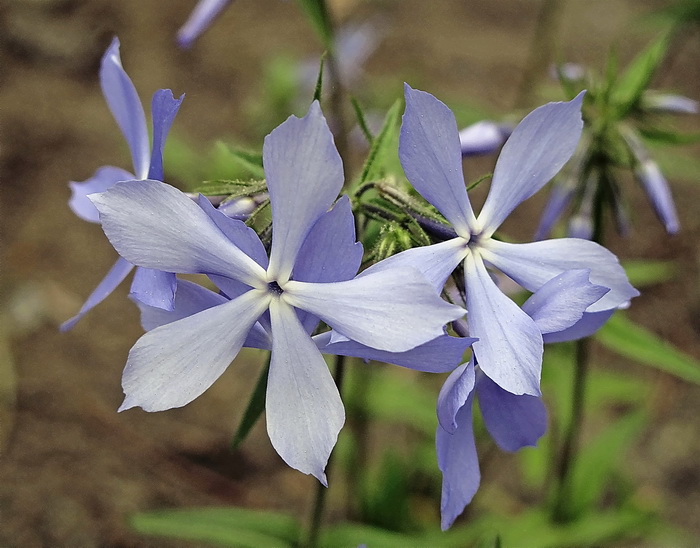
232, 526
633, 341
636, 78
319, 80
232, 189
644, 273
384, 146
669, 137
247, 159
254, 409
318, 15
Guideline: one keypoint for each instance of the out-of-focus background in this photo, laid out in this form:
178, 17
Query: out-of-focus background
71, 468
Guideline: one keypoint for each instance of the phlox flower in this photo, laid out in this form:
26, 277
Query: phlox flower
509, 347
152, 287
154, 225
513, 421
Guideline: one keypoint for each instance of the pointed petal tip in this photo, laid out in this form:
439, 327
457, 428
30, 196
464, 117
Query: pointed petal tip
126, 405
69, 324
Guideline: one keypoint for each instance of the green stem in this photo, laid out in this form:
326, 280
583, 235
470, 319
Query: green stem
314, 530
570, 445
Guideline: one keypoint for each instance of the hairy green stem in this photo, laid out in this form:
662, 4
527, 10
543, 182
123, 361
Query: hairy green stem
319, 503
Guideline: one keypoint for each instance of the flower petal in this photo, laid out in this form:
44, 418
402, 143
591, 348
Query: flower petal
534, 264
173, 364
562, 301
513, 421
459, 464
538, 148
509, 349
394, 310
124, 102
431, 157
199, 20
190, 299
154, 225
105, 177
589, 323
164, 107
114, 277
656, 187
154, 288
437, 356
303, 408
329, 253
454, 395
304, 175
245, 239
435, 262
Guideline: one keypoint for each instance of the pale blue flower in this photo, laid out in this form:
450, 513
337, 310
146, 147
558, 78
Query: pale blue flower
392, 310
509, 349
152, 287
513, 421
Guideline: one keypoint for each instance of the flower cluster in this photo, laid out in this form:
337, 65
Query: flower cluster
303, 296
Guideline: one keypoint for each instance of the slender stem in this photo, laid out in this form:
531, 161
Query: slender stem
570, 445
314, 530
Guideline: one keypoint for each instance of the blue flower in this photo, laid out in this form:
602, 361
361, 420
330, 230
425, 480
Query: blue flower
509, 349
152, 287
392, 310
513, 421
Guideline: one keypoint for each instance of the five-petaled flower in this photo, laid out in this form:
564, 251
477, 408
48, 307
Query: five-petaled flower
154, 225
509, 347
149, 286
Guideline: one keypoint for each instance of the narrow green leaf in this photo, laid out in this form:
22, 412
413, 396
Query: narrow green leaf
638, 74
633, 341
361, 121
236, 527
384, 144
318, 15
669, 137
254, 409
644, 273
319, 81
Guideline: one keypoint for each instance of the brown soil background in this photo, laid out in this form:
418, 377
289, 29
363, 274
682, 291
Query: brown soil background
71, 468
